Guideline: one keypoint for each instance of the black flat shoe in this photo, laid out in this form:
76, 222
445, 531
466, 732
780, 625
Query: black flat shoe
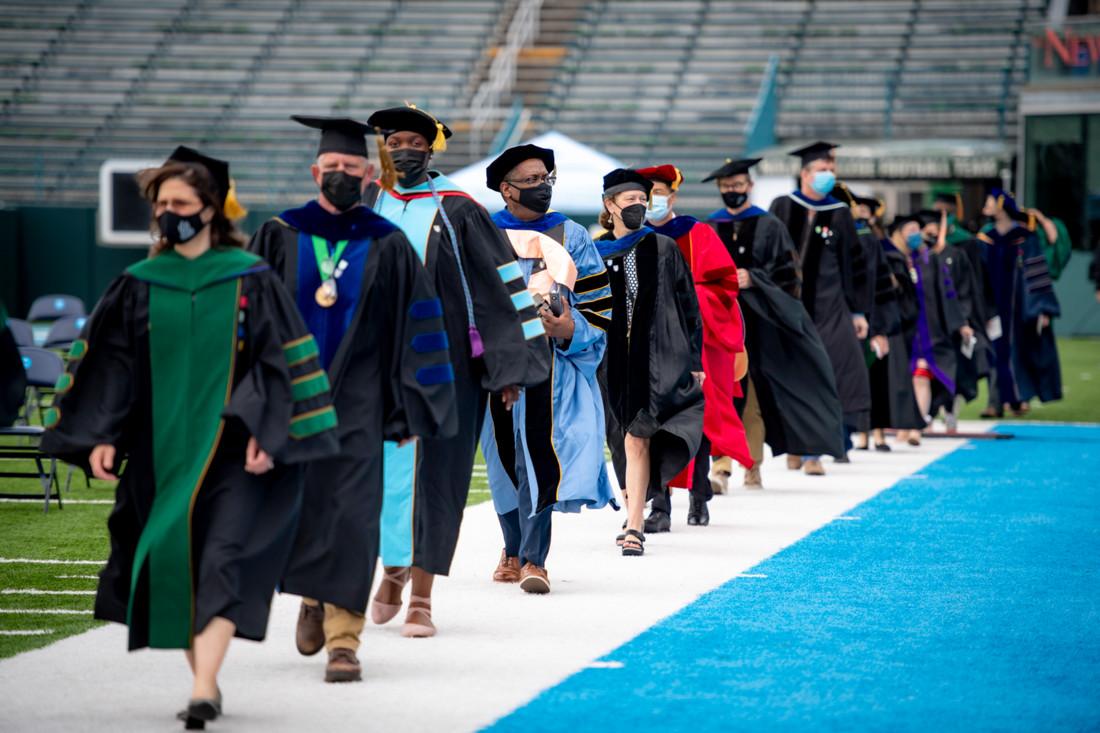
204, 709
882, 448
843, 459
658, 522
702, 515
693, 517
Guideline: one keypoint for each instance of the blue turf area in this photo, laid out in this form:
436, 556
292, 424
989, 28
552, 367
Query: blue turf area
967, 597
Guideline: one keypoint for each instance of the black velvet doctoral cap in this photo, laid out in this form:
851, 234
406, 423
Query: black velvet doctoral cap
820, 150
411, 119
732, 168
219, 169
625, 179
510, 158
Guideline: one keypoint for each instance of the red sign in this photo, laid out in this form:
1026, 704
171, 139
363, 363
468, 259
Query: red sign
1069, 51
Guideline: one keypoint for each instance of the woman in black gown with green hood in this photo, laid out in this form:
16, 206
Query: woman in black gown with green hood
195, 381
653, 372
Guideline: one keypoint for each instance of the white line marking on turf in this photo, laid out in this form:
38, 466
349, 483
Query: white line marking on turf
26, 632
605, 665
66, 502
79, 577
31, 561
47, 611
40, 592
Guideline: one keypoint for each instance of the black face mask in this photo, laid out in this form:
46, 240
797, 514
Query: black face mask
536, 199
734, 200
411, 164
633, 216
342, 190
178, 229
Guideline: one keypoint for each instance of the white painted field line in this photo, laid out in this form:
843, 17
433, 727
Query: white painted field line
26, 632
77, 577
33, 561
46, 611
65, 502
40, 592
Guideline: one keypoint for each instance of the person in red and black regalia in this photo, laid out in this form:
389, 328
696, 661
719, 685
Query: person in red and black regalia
196, 370
833, 283
715, 276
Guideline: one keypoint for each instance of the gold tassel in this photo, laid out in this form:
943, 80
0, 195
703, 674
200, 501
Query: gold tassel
959, 207
679, 179
232, 208
440, 142
388, 175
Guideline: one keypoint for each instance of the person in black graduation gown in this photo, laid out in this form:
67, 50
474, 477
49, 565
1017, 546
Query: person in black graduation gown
194, 377
13, 378
497, 345
377, 320
653, 371
790, 390
833, 280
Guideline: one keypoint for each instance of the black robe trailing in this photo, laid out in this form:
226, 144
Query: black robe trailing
194, 536
13, 378
385, 385
788, 364
515, 350
647, 381
893, 402
976, 303
833, 289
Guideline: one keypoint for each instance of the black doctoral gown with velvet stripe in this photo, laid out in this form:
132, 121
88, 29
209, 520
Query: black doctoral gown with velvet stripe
893, 402
833, 289
379, 392
646, 374
789, 367
241, 526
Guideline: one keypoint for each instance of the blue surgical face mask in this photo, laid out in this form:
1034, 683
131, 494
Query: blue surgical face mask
658, 208
914, 241
823, 182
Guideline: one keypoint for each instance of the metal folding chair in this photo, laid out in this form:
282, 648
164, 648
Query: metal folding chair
30, 451
64, 331
21, 331
52, 307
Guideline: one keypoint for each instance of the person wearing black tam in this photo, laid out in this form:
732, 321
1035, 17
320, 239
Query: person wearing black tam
181, 388
377, 321
653, 372
497, 345
786, 357
833, 283
547, 454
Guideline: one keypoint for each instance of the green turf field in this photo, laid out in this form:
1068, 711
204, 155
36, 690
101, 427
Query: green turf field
79, 531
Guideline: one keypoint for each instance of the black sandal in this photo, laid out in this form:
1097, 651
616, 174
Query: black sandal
633, 543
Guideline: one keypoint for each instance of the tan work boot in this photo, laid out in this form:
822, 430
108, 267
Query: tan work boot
507, 569
343, 666
794, 462
309, 637
534, 579
813, 467
719, 475
752, 478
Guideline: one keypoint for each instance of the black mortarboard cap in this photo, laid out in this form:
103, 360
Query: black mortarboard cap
927, 216
409, 118
732, 168
900, 221
510, 158
625, 179
338, 134
218, 169
820, 150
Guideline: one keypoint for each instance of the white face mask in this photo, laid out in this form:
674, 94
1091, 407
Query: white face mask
658, 208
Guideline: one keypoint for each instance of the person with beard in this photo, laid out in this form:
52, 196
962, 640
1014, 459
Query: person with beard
497, 344
1025, 351
715, 277
547, 453
196, 386
377, 321
653, 371
833, 282
787, 360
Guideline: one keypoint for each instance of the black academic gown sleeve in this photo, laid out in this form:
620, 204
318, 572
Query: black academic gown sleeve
687, 305
510, 359
13, 378
263, 399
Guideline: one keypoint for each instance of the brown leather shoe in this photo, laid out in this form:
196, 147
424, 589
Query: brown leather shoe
310, 635
343, 666
507, 569
813, 467
533, 579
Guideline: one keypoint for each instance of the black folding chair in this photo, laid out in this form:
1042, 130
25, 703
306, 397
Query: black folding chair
27, 449
64, 331
43, 368
52, 307
21, 331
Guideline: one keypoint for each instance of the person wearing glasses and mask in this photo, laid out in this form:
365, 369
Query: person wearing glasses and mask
715, 277
833, 285
547, 453
497, 343
653, 373
786, 357
183, 388
372, 308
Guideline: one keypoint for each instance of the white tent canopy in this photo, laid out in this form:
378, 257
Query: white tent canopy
580, 176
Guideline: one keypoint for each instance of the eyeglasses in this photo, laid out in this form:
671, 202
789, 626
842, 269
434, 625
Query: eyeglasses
532, 181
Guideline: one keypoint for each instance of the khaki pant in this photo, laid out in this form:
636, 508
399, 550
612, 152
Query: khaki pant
342, 627
753, 421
